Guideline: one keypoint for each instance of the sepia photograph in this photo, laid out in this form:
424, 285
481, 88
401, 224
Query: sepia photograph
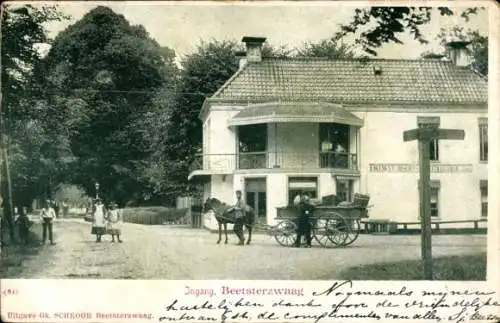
244, 141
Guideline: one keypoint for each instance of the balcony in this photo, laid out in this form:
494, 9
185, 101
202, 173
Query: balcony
268, 160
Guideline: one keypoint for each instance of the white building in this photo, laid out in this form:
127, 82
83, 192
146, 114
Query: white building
280, 126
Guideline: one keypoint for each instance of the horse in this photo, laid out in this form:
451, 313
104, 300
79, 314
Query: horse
224, 215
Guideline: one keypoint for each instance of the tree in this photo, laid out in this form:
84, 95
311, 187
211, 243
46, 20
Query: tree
98, 79
203, 72
326, 48
386, 24
478, 47
22, 32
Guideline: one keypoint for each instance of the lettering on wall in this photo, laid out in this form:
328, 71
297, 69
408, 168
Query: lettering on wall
413, 168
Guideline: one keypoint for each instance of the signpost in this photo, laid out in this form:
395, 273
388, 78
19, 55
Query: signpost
424, 137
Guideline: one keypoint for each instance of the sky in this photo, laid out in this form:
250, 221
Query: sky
182, 25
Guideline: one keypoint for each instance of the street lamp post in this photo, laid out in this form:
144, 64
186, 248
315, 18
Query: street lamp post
96, 190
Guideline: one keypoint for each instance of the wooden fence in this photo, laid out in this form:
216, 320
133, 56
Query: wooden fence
393, 227
194, 206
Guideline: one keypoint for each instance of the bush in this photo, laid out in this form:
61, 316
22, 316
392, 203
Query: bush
153, 215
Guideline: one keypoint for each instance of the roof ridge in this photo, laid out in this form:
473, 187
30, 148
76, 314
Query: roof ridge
351, 59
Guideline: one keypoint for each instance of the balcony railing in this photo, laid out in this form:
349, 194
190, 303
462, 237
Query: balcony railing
263, 160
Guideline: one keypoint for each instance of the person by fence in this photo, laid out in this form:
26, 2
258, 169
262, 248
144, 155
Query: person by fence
23, 225
65, 208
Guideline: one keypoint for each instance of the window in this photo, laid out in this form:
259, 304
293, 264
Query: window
344, 189
431, 122
434, 202
483, 139
434, 198
334, 145
252, 138
252, 146
483, 186
333, 136
306, 185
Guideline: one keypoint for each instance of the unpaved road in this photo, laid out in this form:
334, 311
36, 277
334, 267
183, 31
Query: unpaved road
170, 252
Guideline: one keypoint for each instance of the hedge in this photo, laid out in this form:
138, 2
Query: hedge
153, 215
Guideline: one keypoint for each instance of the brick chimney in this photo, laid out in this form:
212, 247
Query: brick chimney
457, 52
253, 48
242, 55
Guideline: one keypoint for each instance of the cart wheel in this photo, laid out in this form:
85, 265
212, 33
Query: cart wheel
331, 230
354, 228
285, 233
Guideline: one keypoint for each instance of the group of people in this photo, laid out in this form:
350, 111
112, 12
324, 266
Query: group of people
106, 220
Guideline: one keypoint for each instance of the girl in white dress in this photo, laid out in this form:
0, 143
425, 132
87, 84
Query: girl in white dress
99, 220
114, 222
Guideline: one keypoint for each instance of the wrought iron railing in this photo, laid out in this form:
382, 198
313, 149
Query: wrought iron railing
263, 160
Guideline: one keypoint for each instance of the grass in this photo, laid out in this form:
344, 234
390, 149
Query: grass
468, 267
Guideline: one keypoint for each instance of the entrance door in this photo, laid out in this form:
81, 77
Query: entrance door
256, 196
344, 190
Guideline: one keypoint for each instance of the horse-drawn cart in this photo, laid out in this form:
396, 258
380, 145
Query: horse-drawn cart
332, 225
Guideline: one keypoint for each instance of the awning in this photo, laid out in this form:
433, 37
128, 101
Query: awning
204, 174
277, 112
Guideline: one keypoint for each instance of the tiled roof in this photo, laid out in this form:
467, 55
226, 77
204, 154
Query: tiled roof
354, 81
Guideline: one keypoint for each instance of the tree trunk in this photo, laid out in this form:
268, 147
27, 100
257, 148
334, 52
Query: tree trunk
7, 197
5, 185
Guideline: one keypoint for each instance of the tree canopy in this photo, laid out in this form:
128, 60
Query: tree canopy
24, 144
375, 26
98, 80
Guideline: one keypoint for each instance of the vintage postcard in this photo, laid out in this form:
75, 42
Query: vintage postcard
250, 161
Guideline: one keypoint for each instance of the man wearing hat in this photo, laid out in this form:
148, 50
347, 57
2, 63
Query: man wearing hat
304, 224
239, 209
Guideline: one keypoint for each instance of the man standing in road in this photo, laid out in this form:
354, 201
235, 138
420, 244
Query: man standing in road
47, 216
304, 223
239, 213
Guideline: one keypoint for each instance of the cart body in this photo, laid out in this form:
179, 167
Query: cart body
333, 225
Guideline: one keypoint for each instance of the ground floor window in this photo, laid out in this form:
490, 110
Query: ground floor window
483, 185
304, 185
434, 198
256, 196
434, 202
344, 190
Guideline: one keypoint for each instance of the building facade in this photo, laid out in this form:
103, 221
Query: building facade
283, 126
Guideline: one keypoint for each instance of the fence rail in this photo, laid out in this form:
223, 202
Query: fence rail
263, 160
386, 226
